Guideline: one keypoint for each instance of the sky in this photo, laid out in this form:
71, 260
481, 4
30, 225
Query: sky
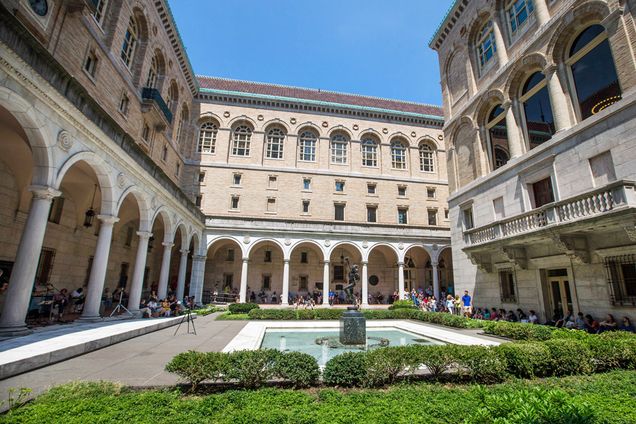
370, 47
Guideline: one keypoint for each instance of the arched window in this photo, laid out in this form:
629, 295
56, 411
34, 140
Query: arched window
398, 155
485, 43
173, 96
307, 146
183, 119
593, 71
130, 42
275, 139
498, 137
207, 137
242, 138
100, 11
427, 161
153, 73
537, 109
369, 152
339, 149
518, 12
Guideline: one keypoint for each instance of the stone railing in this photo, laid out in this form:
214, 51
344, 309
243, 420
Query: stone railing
153, 95
602, 200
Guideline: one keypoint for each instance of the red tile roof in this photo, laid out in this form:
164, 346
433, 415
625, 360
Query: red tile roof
316, 95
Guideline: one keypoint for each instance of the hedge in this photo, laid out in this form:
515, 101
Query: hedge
403, 304
242, 308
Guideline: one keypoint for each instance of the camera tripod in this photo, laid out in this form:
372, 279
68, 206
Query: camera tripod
188, 318
119, 306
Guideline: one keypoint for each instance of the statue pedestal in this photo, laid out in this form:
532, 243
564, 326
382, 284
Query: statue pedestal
353, 328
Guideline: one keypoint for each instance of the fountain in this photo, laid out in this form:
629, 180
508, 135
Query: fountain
353, 327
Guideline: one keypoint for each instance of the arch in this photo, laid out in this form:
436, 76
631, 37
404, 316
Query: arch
456, 74
273, 123
423, 246
311, 127
142, 202
340, 129
103, 173
242, 119
184, 234
252, 246
427, 139
343, 243
307, 241
521, 69
371, 133
172, 99
156, 70
194, 240
484, 107
399, 135
231, 239
210, 117
399, 257
167, 223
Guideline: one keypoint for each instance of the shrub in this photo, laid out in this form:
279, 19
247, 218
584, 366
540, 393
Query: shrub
301, 369
345, 370
437, 359
327, 314
252, 368
273, 314
385, 364
569, 357
242, 308
229, 316
518, 331
402, 304
209, 310
196, 367
482, 364
525, 360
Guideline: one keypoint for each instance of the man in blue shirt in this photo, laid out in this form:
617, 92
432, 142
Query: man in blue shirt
466, 302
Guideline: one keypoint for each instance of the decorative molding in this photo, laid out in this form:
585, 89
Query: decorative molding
64, 140
400, 246
517, 256
327, 243
575, 247
630, 230
365, 244
121, 180
287, 242
246, 239
481, 261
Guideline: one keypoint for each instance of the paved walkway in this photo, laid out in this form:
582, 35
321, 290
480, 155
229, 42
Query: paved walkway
135, 362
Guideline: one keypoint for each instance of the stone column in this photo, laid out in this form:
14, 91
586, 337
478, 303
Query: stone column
365, 283
162, 290
197, 277
401, 280
541, 12
243, 292
436, 288
138, 274
20, 288
183, 265
514, 140
95, 288
325, 284
558, 102
285, 295
502, 54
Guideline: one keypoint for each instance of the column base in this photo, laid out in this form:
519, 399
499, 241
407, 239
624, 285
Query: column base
364, 304
90, 318
15, 331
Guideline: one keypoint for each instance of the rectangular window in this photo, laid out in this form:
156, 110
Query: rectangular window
267, 282
198, 200
236, 179
498, 207
542, 191
430, 193
507, 285
621, 274
272, 182
518, 13
145, 133
303, 258
45, 266
445, 213
372, 213
303, 283
100, 10
339, 212
271, 204
90, 64
124, 102
340, 185
306, 183
305, 206
402, 191
467, 215
307, 149
403, 216
234, 204
338, 273
268, 256
201, 177
57, 207
371, 188
177, 170
164, 153
229, 257
432, 217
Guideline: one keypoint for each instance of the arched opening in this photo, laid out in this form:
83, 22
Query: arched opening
427, 157
241, 140
306, 272
208, 131
160, 228
593, 71
179, 241
265, 275
418, 275
339, 149
274, 142
498, 137
342, 258
307, 143
222, 278
369, 146
445, 271
398, 154
382, 273
537, 110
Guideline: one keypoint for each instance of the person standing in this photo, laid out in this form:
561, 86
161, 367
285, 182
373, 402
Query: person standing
467, 305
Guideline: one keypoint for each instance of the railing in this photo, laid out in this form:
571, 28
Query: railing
593, 203
149, 93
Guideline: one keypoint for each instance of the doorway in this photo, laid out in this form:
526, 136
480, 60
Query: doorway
559, 293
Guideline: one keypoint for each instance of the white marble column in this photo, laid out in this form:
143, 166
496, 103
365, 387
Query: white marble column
436, 288
243, 292
558, 102
285, 295
197, 277
183, 265
93, 299
16, 304
502, 54
138, 274
514, 140
325, 284
401, 280
162, 290
541, 11
365, 283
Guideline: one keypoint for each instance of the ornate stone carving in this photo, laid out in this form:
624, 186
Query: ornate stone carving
575, 247
121, 180
287, 242
226, 114
153, 202
401, 246
413, 134
516, 256
365, 244
481, 261
631, 232
64, 140
355, 127
246, 239
292, 120
325, 124
260, 117
327, 243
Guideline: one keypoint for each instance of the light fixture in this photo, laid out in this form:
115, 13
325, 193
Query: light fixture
89, 216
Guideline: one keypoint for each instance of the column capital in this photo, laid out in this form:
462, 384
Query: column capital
326, 261
108, 219
245, 260
184, 251
144, 234
550, 70
365, 263
44, 192
434, 264
167, 243
286, 260
400, 263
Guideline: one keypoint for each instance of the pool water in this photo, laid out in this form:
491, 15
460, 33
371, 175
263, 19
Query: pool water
304, 340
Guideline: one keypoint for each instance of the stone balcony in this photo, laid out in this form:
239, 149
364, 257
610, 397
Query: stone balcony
152, 101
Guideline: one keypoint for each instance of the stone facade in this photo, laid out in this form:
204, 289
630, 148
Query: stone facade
544, 224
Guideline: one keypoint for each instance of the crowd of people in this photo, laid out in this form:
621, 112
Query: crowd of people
169, 306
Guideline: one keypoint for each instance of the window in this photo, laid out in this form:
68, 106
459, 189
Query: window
518, 12
467, 216
445, 213
369, 152
234, 203
198, 200
57, 207
371, 188
145, 133
236, 179
593, 71
426, 158
100, 11
183, 119
339, 210
201, 177
90, 64
305, 206
339, 149
153, 73
229, 257
272, 182
372, 213
432, 217
124, 102
402, 191
537, 110
498, 137
306, 183
430, 193
398, 155
498, 208
268, 256
275, 138
164, 153
242, 138
621, 275
304, 258
307, 148
542, 192
340, 185
271, 204
403, 215
303, 283
130, 42
45, 266
507, 286
207, 137
178, 169
486, 46
173, 95
267, 282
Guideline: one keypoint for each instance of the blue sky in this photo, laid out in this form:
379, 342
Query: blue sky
371, 47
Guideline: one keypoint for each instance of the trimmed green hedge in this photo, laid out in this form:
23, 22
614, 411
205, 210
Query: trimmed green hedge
402, 304
242, 308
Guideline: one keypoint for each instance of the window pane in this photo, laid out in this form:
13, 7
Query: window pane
538, 111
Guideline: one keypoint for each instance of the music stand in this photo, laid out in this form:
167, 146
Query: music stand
188, 318
119, 306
